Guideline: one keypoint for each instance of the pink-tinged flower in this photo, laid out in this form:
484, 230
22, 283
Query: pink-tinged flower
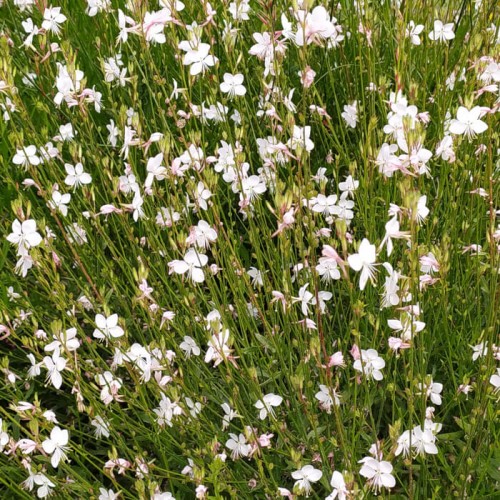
336, 359
429, 264
355, 352
107, 328
265, 440
468, 122
307, 77
56, 445
364, 261
378, 473
396, 343
304, 478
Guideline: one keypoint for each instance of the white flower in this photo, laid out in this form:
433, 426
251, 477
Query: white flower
480, 350
55, 365
325, 205
233, 85
59, 202
349, 185
101, 427
442, 32
202, 195
432, 390
76, 176
422, 210
191, 264
340, 491
256, 276
24, 234
26, 156
239, 10
56, 445
266, 404
423, 441
238, 446
107, 328
327, 398
304, 477
350, 114
194, 407
370, 364
189, 346
445, 150
412, 32
378, 473
218, 350
229, 414
199, 59
45, 485
202, 235
305, 298
301, 138
52, 17
105, 494
468, 122
155, 170
364, 261
495, 380
95, 6
110, 386
251, 187
67, 340
66, 133
327, 268
403, 444
167, 411
4, 437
